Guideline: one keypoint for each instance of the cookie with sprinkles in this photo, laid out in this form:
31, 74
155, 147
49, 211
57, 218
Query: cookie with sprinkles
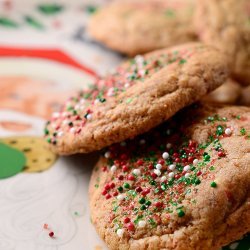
183, 185
138, 26
226, 25
139, 95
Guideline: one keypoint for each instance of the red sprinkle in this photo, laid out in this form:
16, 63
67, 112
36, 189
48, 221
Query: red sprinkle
112, 185
131, 177
108, 196
140, 162
138, 189
51, 234
104, 192
126, 220
124, 168
131, 226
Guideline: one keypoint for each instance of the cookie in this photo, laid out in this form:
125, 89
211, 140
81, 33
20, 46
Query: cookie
225, 24
228, 93
244, 98
138, 26
139, 95
38, 157
184, 185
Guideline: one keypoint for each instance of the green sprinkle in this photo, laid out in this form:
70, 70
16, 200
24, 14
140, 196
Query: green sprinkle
163, 186
169, 13
206, 157
148, 203
182, 61
120, 189
143, 207
212, 168
213, 184
219, 130
46, 131
152, 183
197, 181
96, 185
243, 131
142, 200
129, 100
126, 185
180, 213
238, 117
49, 140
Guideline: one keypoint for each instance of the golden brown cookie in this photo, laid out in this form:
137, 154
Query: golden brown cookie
139, 95
226, 25
227, 93
184, 185
138, 26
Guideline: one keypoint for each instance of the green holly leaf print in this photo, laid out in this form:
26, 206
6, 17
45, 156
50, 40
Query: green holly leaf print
50, 9
33, 22
8, 23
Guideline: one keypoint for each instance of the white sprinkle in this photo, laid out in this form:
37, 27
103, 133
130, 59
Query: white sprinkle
64, 114
186, 168
123, 143
127, 85
142, 72
139, 59
65, 122
187, 175
96, 101
81, 107
169, 145
228, 131
55, 115
163, 178
120, 232
171, 175
158, 166
89, 116
233, 246
77, 107
136, 171
142, 141
171, 167
82, 101
195, 161
60, 133
120, 197
113, 168
72, 130
168, 132
107, 154
142, 223
157, 172
165, 155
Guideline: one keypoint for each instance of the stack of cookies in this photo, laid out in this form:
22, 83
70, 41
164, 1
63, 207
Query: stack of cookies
174, 167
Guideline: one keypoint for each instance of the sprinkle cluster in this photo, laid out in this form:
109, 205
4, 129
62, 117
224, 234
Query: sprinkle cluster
80, 110
152, 175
